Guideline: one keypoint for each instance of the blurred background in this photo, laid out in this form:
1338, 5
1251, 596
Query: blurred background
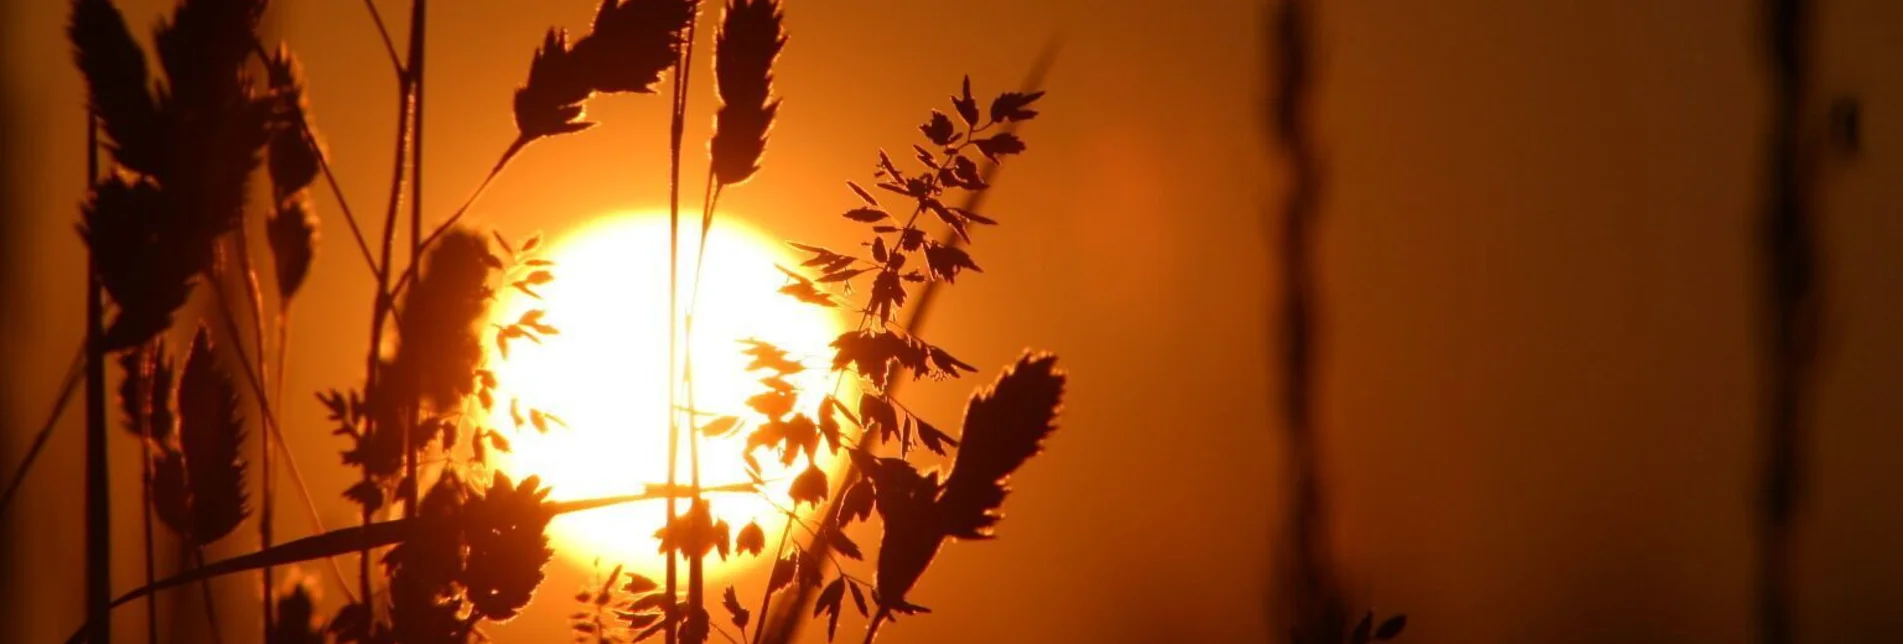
1539, 372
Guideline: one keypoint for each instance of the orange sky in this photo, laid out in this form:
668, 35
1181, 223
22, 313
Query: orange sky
1538, 375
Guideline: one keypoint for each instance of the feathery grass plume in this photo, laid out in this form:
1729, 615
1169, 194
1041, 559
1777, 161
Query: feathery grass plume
192, 150
292, 233
293, 163
1005, 424
198, 485
139, 256
216, 126
506, 531
440, 348
550, 102
118, 89
749, 40
632, 43
296, 618
205, 42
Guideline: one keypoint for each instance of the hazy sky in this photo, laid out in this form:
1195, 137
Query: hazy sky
1538, 380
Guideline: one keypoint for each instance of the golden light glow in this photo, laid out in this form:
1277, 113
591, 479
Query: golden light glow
605, 375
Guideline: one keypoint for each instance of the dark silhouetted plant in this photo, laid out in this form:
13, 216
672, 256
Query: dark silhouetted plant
473, 547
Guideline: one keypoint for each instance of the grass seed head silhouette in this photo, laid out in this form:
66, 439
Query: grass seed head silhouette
189, 152
749, 40
293, 161
201, 482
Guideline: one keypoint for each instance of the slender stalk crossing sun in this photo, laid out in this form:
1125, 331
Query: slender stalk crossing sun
600, 383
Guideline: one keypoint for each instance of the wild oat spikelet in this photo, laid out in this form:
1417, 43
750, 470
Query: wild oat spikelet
211, 438
293, 162
118, 91
749, 41
550, 102
632, 43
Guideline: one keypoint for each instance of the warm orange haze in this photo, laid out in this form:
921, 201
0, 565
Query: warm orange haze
1526, 321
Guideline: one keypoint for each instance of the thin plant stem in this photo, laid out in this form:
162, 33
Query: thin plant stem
676, 127
323, 164
380, 310
270, 423
418, 29
211, 602
98, 503
409, 274
389, 47
68, 385
766, 598
878, 619
145, 514
266, 505
283, 321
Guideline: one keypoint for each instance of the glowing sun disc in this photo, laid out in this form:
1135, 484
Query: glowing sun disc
605, 375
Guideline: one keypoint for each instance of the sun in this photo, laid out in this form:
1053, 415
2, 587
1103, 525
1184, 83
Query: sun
604, 375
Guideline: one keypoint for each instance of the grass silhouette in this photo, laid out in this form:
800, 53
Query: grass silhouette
460, 544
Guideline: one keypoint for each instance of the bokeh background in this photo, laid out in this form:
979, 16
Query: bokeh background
1539, 380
